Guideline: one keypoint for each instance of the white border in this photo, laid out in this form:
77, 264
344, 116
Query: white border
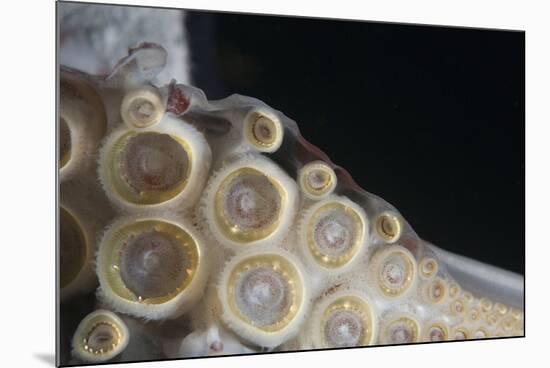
28, 167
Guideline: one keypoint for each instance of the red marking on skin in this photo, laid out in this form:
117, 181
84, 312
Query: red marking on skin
410, 243
333, 289
216, 346
178, 103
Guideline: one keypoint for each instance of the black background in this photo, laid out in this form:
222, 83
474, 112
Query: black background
432, 119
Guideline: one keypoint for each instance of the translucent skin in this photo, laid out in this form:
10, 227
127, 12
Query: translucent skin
262, 296
251, 201
153, 162
410, 295
153, 266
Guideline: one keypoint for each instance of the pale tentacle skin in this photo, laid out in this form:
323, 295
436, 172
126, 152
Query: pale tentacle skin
83, 214
82, 123
257, 239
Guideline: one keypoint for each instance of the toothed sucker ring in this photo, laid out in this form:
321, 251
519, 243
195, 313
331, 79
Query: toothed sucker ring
214, 228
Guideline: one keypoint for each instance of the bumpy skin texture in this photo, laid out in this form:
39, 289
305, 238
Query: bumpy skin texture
285, 251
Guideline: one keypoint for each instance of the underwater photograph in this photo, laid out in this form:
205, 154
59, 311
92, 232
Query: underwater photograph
234, 183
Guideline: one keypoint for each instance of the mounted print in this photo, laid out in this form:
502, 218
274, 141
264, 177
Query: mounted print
246, 184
